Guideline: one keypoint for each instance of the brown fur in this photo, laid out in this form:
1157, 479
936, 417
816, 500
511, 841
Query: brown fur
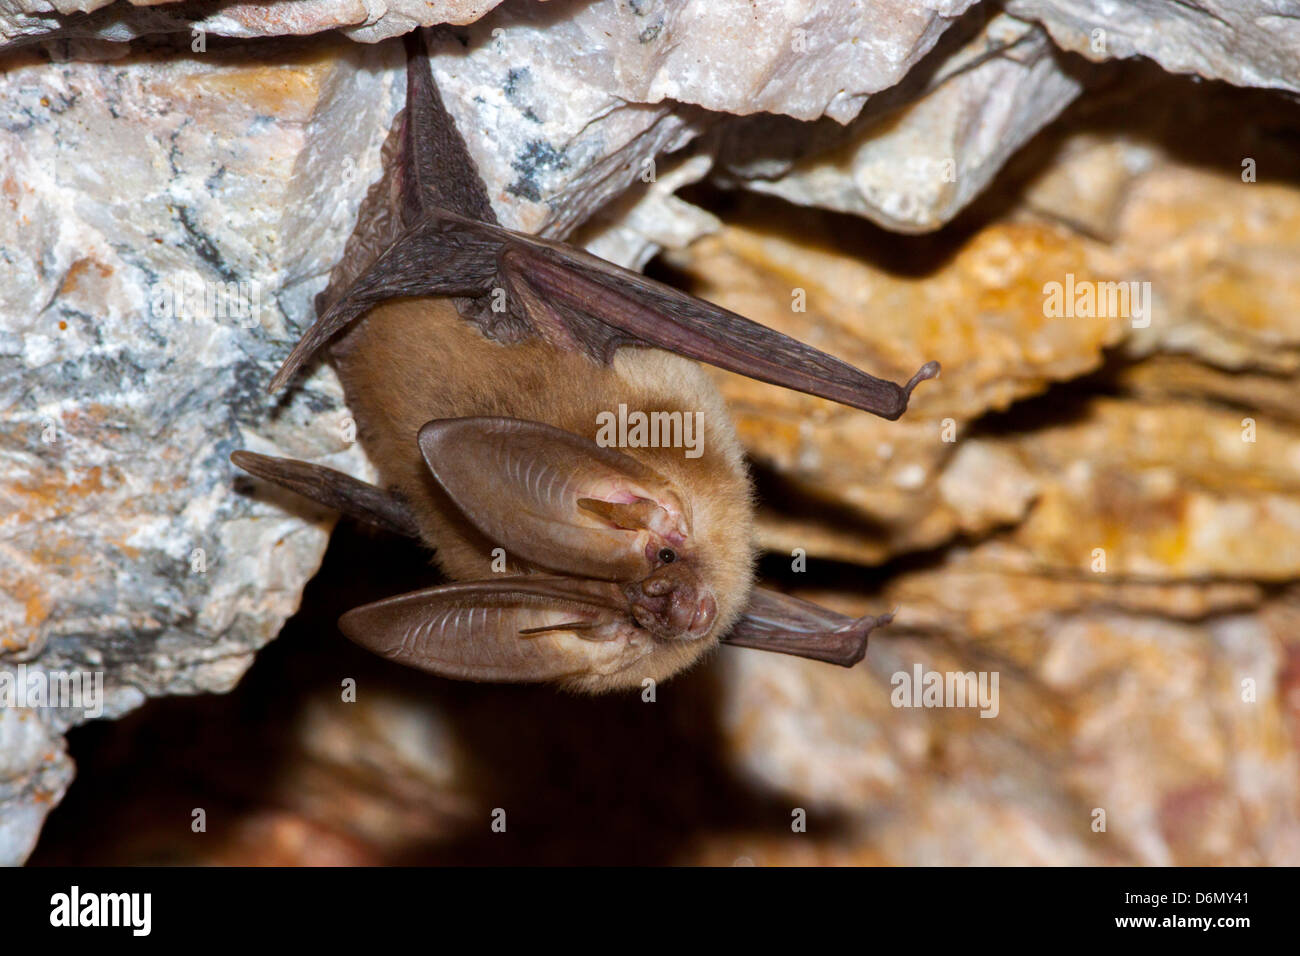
413, 360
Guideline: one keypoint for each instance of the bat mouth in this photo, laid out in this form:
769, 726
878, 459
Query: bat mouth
705, 614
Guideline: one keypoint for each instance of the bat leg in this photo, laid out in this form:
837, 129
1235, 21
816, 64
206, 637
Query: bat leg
787, 625
343, 493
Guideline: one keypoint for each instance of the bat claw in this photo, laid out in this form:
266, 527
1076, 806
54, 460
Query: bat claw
927, 371
867, 623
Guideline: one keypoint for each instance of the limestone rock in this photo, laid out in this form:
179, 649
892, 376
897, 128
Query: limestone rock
1166, 490
148, 303
1246, 42
1137, 595
804, 59
980, 314
551, 161
365, 20
1133, 715
914, 167
145, 305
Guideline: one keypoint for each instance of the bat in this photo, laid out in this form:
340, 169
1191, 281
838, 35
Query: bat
483, 366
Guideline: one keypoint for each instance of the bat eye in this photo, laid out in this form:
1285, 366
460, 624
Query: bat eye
667, 555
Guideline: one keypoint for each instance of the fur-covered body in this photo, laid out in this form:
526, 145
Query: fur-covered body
411, 361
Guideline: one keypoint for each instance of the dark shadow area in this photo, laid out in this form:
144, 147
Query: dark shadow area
607, 780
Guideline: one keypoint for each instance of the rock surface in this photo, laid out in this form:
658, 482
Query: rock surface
915, 166
1137, 594
365, 20
125, 387
804, 59
1246, 42
148, 303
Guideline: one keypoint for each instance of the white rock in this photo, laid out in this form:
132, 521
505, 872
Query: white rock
144, 192
913, 169
136, 190
804, 58
365, 20
552, 141
1246, 42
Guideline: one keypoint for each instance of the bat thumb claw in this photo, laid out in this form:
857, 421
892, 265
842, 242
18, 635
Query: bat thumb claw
867, 624
927, 371
283, 374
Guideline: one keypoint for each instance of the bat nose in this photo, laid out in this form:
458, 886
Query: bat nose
657, 586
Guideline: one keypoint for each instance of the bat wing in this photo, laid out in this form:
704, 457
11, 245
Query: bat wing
427, 228
787, 625
343, 493
577, 299
398, 248
516, 629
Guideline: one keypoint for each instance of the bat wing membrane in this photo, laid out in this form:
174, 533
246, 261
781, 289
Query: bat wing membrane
427, 228
441, 254
343, 493
608, 307
788, 625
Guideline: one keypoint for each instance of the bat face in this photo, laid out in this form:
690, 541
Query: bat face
578, 559
560, 503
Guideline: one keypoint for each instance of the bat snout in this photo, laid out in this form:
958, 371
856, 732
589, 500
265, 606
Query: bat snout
672, 604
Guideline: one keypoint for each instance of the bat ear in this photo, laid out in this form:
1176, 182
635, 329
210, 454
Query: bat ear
516, 629
553, 498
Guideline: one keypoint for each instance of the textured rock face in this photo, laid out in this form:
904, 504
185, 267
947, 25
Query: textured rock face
144, 303
1246, 42
915, 166
1128, 540
367, 21
804, 59
1100, 505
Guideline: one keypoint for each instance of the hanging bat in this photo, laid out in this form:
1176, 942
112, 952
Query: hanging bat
477, 362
